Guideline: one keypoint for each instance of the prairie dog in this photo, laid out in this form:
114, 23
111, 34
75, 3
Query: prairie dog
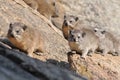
108, 42
25, 38
69, 23
48, 8
83, 41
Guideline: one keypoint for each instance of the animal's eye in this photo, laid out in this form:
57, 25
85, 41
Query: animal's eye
95, 30
30, 4
70, 21
54, 4
18, 31
72, 36
103, 32
78, 36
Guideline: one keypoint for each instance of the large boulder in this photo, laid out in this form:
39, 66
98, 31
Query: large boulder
15, 10
15, 65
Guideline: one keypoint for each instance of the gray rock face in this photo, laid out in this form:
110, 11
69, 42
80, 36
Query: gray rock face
15, 11
101, 13
16, 65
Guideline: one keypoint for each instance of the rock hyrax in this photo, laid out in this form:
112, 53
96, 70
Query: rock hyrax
48, 8
69, 23
108, 42
83, 41
25, 38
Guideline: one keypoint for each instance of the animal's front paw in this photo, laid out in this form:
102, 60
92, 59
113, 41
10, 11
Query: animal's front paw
103, 54
115, 54
90, 54
83, 57
30, 55
39, 53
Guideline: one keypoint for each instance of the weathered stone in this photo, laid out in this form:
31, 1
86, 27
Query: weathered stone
16, 65
15, 11
96, 13
96, 67
105, 14
100, 13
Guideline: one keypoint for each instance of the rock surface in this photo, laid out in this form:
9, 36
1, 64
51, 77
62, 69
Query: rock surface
96, 13
96, 67
13, 11
100, 13
15, 65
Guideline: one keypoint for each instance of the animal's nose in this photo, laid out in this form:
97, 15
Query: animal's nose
55, 15
74, 40
11, 35
65, 23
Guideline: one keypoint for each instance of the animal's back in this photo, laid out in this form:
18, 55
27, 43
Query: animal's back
90, 39
48, 8
32, 3
115, 42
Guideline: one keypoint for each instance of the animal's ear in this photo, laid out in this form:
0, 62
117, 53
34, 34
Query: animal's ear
76, 19
24, 27
64, 16
53, 4
70, 31
95, 30
103, 32
83, 34
10, 26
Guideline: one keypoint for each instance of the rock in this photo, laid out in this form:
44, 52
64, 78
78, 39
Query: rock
16, 65
93, 13
15, 11
96, 67
100, 13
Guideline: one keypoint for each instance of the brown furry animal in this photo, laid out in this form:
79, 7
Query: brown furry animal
108, 42
48, 8
25, 38
83, 41
69, 23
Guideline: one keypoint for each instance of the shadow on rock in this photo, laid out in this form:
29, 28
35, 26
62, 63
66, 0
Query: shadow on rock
19, 66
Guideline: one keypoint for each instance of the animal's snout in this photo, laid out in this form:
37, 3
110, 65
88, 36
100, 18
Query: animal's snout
75, 40
65, 23
55, 15
10, 34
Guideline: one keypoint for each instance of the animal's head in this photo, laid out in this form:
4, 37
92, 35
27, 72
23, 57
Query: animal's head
70, 21
53, 7
77, 35
99, 32
16, 30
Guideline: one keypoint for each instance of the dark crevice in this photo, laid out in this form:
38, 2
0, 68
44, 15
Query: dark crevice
29, 68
